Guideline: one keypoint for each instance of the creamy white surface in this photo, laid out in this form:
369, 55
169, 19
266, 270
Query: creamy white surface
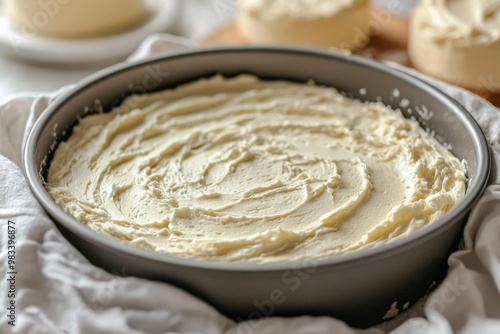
310, 9
75, 18
342, 24
248, 170
458, 41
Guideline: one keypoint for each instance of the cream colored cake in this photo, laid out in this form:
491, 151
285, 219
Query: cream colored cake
75, 18
458, 41
247, 170
342, 24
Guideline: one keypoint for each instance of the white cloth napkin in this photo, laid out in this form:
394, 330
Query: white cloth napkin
59, 291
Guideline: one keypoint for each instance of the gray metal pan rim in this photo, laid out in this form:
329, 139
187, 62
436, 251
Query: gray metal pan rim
347, 260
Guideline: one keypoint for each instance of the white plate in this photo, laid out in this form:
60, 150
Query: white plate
54, 51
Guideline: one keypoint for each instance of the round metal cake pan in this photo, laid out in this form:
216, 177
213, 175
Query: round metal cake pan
358, 287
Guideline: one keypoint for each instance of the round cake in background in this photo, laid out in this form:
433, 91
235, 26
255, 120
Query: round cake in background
321, 23
458, 41
75, 18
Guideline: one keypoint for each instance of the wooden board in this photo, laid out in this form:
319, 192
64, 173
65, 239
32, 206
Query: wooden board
389, 42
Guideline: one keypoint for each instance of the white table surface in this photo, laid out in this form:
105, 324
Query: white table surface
195, 19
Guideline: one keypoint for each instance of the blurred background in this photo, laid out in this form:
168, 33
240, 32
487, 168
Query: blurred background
193, 20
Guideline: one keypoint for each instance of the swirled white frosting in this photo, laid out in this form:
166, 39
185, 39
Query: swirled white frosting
458, 41
247, 170
463, 22
301, 9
